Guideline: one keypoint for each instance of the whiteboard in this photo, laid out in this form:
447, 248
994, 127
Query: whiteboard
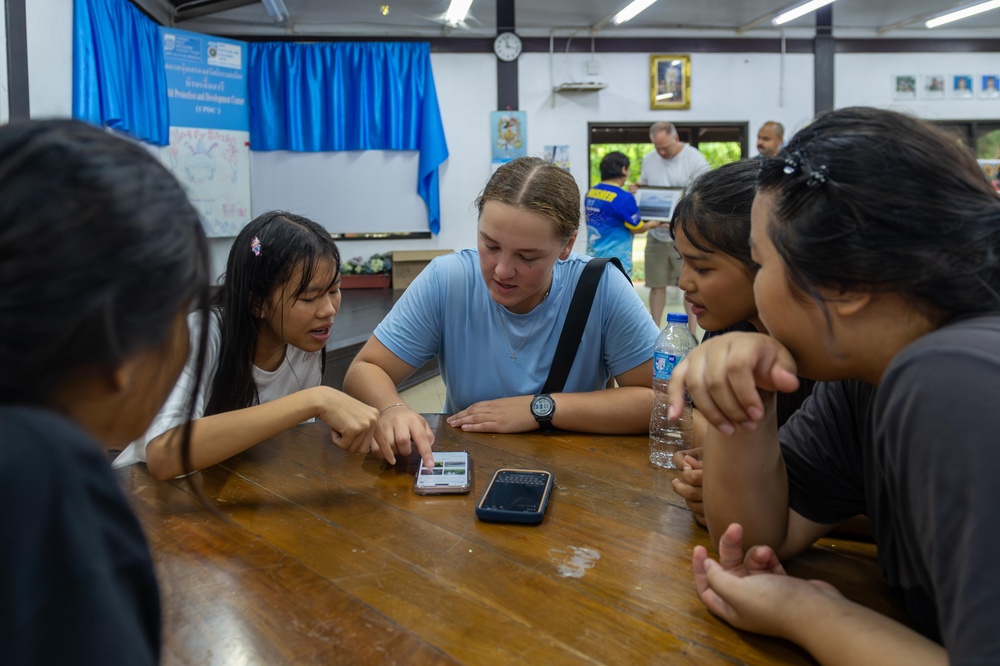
347, 192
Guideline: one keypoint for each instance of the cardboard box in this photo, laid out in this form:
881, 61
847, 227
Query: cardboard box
407, 264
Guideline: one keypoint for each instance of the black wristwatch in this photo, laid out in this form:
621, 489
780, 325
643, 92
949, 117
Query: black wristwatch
542, 408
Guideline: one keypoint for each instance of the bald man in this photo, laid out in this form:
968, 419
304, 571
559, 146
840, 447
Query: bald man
671, 163
770, 138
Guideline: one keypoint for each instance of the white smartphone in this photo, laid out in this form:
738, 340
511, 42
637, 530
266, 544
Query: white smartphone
452, 473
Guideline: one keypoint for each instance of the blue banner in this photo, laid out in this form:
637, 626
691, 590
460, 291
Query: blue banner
206, 80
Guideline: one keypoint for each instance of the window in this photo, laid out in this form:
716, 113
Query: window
981, 136
720, 143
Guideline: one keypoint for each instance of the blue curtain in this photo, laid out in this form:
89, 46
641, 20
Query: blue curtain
118, 76
349, 96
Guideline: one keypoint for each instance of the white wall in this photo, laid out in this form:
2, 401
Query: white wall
866, 80
50, 57
724, 87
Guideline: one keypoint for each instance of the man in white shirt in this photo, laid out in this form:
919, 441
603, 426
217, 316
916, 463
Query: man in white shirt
672, 163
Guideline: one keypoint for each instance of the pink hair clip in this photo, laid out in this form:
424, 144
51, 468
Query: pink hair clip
255, 246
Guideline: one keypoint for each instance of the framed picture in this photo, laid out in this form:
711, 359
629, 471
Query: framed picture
657, 203
904, 86
990, 86
933, 87
669, 82
507, 133
961, 86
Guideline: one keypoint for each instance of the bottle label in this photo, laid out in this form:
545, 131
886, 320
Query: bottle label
664, 364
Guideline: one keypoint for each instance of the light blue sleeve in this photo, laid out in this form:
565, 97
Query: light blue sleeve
412, 329
629, 331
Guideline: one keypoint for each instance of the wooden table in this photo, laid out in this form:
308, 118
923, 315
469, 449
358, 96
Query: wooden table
331, 558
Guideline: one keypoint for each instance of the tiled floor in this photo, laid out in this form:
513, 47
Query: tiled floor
428, 397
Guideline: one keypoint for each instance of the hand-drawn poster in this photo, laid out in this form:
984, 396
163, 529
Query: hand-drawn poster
209, 149
214, 168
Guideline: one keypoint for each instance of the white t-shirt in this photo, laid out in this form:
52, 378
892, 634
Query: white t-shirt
300, 370
678, 171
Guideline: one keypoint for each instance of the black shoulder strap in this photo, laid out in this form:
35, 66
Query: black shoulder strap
576, 321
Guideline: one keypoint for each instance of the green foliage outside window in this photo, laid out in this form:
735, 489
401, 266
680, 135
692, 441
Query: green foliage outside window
717, 154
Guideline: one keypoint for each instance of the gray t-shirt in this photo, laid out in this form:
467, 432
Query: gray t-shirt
920, 455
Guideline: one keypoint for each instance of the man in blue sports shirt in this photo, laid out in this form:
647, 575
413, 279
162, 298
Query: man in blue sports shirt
612, 214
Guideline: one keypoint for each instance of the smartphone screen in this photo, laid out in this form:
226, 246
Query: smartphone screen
516, 495
452, 473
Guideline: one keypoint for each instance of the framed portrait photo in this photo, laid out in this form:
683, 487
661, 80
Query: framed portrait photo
669, 82
657, 203
989, 87
961, 86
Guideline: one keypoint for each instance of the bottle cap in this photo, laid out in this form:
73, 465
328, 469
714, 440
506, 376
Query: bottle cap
677, 318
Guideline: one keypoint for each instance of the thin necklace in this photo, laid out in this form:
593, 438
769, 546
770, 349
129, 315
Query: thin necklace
503, 329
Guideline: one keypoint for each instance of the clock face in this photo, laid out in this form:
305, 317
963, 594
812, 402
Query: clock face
507, 46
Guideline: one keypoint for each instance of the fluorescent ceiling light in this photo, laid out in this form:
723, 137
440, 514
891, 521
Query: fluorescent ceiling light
801, 10
631, 11
277, 10
963, 13
457, 11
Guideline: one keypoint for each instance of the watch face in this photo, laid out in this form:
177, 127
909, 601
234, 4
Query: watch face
507, 46
542, 406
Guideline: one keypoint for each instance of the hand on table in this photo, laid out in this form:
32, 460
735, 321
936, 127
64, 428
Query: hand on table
501, 415
401, 429
725, 375
688, 484
753, 592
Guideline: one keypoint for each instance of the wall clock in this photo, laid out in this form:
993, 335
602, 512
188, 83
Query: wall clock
507, 46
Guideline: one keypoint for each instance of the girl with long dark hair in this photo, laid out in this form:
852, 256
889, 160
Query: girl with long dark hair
267, 331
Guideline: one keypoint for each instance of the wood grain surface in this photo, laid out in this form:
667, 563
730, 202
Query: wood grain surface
326, 557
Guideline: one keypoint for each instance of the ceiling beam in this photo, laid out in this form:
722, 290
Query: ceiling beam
919, 19
766, 18
196, 9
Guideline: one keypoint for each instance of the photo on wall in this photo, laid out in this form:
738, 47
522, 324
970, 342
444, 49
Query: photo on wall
933, 86
961, 86
669, 82
904, 86
989, 87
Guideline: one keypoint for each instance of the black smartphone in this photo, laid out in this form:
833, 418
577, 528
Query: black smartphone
515, 496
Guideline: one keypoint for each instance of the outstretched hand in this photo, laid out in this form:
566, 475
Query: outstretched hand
752, 591
724, 377
400, 430
501, 415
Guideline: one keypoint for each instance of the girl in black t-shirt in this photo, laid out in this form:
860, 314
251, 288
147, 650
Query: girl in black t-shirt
103, 257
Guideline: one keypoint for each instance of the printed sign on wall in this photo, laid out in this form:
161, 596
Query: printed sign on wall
209, 149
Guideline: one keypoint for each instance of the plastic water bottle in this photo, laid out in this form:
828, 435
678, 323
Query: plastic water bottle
665, 435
